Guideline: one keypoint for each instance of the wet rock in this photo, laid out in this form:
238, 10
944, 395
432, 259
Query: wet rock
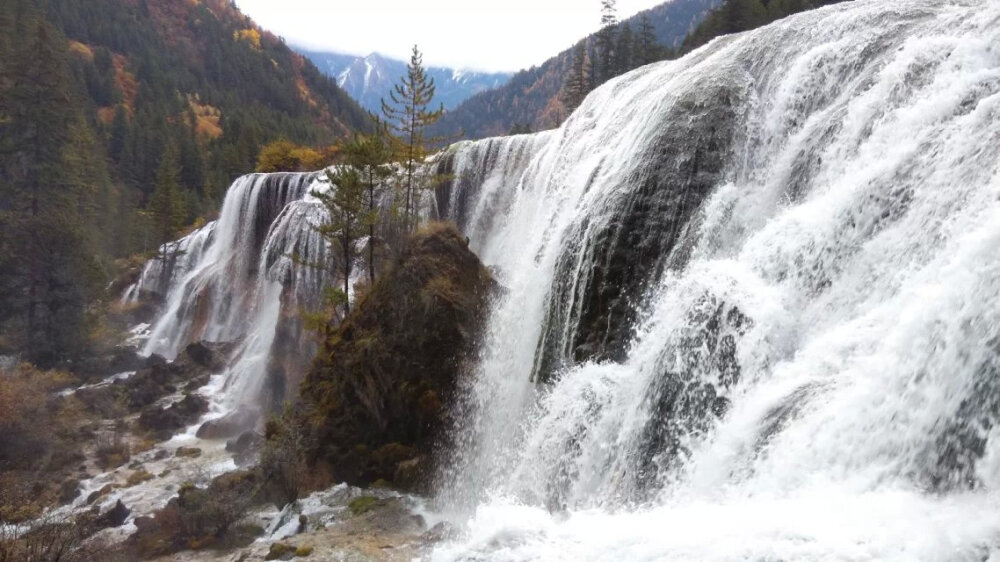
196, 383
593, 308
98, 494
164, 422
138, 477
280, 551
160, 455
245, 448
104, 401
411, 472
69, 490
114, 517
442, 531
188, 452
118, 360
203, 355
230, 425
155, 360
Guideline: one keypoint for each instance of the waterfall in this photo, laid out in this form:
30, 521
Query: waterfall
243, 279
752, 305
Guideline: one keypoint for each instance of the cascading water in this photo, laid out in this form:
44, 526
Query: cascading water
752, 306
243, 279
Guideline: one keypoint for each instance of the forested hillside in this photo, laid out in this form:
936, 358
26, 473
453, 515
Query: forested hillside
122, 121
734, 16
531, 99
535, 99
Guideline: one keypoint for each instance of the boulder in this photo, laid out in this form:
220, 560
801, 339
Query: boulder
98, 494
230, 425
188, 452
69, 490
114, 517
162, 423
245, 448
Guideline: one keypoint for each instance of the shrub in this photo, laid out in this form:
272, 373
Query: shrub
111, 448
282, 460
199, 518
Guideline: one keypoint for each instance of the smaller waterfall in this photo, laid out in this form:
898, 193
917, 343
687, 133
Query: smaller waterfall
244, 278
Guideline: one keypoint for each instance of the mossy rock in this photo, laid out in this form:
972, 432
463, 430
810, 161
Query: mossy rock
303, 551
138, 477
279, 551
380, 390
97, 494
188, 452
362, 505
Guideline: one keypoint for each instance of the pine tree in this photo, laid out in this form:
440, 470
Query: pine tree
345, 224
577, 83
166, 204
407, 117
39, 114
606, 39
119, 134
646, 48
369, 156
623, 50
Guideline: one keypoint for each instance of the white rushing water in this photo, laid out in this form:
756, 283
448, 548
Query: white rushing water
752, 306
243, 279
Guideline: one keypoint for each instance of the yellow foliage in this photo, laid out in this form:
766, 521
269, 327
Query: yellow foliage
79, 48
285, 156
208, 119
251, 35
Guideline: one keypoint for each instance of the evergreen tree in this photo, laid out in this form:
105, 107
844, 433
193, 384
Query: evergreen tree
39, 113
646, 50
345, 206
521, 129
369, 156
166, 205
577, 83
407, 116
623, 50
606, 39
119, 135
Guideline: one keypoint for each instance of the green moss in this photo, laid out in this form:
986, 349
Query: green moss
138, 477
303, 551
362, 505
279, 550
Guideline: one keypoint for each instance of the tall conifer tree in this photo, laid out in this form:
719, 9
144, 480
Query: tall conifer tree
577, 83
345, 224
407, 116
623, 50
606, 39
646, 48
166, 205
369, 155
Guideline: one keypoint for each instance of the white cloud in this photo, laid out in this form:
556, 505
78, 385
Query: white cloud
472, 34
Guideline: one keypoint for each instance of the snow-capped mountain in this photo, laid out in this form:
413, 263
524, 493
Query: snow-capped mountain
371, 78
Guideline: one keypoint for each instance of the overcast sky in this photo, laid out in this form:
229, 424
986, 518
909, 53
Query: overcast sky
497, 35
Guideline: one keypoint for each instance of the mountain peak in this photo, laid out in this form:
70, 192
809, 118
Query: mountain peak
370, 78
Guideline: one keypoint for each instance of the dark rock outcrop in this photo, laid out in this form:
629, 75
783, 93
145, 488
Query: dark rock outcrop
114, 517
648, 233
162, 423
245, 448
379, 392
230, 425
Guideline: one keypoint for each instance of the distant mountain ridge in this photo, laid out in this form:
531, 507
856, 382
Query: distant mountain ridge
531, 97
369, 79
